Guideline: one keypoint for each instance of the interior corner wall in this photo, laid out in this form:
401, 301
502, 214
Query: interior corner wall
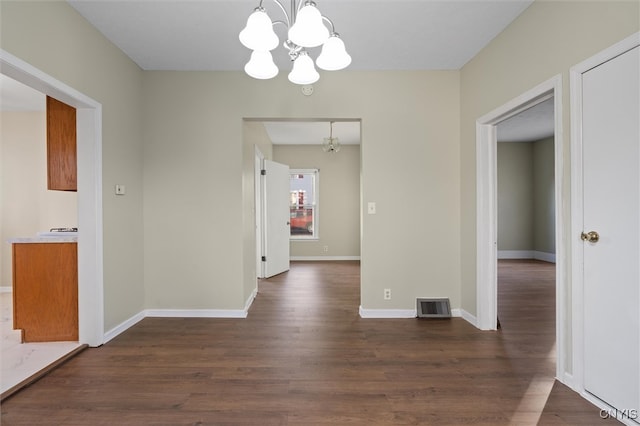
54, 38
526, 199
339, 194
27, 206
547, 39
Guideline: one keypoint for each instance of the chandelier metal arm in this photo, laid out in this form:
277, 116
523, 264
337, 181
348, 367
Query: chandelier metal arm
333, 28
284, 12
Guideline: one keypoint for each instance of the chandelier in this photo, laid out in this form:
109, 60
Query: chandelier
331, 144
306, 29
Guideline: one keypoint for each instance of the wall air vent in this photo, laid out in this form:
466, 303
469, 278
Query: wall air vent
434, 308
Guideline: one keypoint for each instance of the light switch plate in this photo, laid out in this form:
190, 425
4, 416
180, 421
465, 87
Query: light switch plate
120, 190
371, 207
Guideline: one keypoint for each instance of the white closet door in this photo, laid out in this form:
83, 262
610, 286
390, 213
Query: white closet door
611, 182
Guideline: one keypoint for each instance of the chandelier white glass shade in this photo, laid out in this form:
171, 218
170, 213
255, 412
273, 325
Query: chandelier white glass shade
258, 34
331, 144
261, 65
303, 71
305, 29
334, 56
308, 30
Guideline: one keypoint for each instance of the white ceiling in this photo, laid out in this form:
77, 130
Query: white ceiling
530, 125
312, 133
379, 35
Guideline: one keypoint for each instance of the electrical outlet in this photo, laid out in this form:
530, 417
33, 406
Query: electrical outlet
387, 294
325, 249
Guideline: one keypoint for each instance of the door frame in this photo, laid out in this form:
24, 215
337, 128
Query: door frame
89, 159
575, 243
259, 208
486, 208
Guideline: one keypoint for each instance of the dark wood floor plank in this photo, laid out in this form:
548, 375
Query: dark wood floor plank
305, 357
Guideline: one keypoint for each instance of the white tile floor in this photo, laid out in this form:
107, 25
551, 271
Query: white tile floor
20, 361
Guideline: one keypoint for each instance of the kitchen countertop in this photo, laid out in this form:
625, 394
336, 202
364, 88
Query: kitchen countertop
41, 239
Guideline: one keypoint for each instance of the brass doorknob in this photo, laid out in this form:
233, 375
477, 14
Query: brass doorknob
591, 236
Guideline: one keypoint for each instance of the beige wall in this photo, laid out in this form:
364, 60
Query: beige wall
176, 140
544, 204
546, 40
339, 213
27, 207
194, 166
526, 196
515, 196
54, 38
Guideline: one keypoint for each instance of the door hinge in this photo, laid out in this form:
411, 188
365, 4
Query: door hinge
264, 258
263, 172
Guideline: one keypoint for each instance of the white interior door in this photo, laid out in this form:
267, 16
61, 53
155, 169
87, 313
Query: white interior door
611, 197
276, 226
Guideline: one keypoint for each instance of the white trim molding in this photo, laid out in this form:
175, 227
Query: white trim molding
195, 313
515, 254
527, 254
7, 289
250, 300
471, 319
173, 313
387, 313
408, 313
322, 258
123, 326
486, 205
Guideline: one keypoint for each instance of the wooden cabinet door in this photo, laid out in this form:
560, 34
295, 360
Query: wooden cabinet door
45, 291
61, 146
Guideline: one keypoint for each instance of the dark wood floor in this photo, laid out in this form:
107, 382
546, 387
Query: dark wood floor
305, 357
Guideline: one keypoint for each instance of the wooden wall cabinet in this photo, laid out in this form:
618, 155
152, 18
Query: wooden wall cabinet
45, 291
61, 146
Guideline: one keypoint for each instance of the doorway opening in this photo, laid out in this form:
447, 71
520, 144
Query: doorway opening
487, 209
89, 199
336, 198
526, 226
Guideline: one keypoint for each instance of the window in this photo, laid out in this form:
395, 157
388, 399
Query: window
303, 207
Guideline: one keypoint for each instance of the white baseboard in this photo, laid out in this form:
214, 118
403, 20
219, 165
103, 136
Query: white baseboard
547, 257
567, 379
527, 254
515, 254
4, 289
249, 301
387, 313
404, 313
195, 313
122, 327
177, 313
471, 319
321, 258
